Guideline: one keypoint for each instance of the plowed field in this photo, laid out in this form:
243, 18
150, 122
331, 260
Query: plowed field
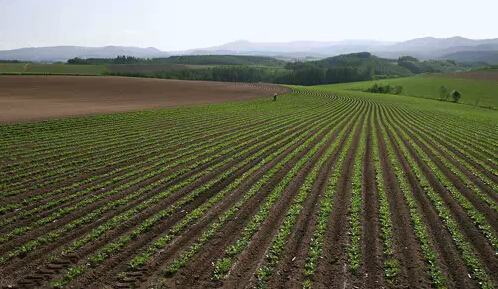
33, 97
315, 190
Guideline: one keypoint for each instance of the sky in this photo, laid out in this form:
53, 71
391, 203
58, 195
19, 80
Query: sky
185, 24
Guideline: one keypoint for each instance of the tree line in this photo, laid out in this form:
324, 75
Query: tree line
184, 59
303, 76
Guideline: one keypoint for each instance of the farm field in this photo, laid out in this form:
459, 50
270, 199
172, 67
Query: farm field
491, 74
479, 88
324, 188
40, 68
22, 97
150, 69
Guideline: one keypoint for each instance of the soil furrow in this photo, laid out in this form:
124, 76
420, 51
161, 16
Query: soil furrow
158, 207
450, 257
478, 203
40, 252
288, 274
330, 271
372, 241
201, 265
480, 243
407, 246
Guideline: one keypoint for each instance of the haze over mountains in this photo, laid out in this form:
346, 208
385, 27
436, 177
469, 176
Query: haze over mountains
63, 53
455, 48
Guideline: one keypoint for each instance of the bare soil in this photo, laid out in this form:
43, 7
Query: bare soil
477, 75
36, 97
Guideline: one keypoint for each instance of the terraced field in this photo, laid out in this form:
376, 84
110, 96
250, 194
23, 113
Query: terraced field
315, 190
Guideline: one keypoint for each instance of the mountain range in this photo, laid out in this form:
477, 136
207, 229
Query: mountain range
63, 53
455, 48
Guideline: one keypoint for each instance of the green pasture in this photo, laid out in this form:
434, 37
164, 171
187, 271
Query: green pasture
482, 93
40, 68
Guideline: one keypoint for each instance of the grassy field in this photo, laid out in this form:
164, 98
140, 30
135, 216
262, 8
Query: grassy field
90, 69
475, 92
321, 187
39, 68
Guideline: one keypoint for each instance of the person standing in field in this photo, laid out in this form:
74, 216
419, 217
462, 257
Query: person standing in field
275, 97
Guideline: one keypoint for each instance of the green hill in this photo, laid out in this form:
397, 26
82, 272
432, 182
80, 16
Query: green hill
363, 62
483, 93
382, 67
473, 56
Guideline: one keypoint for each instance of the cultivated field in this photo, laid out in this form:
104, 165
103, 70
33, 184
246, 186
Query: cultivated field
476, 75
41, 68
150, 69
478, 88
315, 190
40, 97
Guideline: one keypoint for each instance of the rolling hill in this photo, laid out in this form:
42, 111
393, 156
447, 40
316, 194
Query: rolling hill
63, 53
421, 48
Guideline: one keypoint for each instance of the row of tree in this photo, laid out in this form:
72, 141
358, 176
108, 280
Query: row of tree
239, 68
217, 73
101, 61
309, 75
386, 89
185, 59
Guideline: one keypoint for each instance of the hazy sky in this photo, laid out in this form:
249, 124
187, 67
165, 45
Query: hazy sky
183, 24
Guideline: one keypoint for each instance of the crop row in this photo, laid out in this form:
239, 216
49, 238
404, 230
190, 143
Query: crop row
144, 167
114, 204
353, 250
391, 263
323, 216
99, 256
252, 227
158, 142
450, 165
421, 232
277, 246
478, 219
470, 258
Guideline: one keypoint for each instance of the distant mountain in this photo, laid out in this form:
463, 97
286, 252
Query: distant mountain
421, 48
472, 56
294, 49
242, 46
63, 53
434, 48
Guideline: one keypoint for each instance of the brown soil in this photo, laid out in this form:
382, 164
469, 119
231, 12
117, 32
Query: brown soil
28, 264
477, 75
288, 273
468, 228
478, 203
252, 259
450, 260
372, 245
331, 269
441, 142
103, 190
33, 258
407, 247
201, 267
24, 98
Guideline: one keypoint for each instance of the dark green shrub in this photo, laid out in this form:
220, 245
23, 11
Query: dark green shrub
455, 95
